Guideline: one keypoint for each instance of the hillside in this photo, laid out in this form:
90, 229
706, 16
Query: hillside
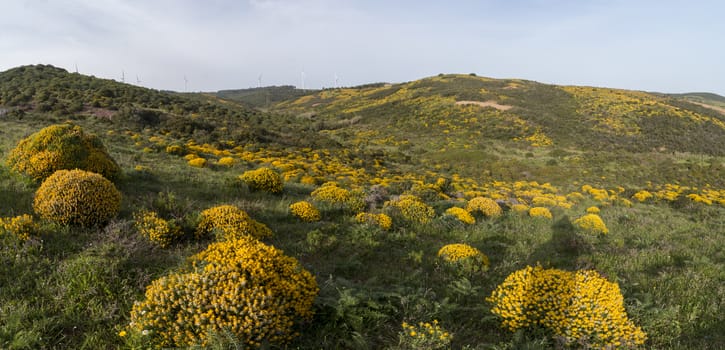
263, 97
410, 205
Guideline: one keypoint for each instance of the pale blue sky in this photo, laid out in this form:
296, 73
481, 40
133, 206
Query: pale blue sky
667, 46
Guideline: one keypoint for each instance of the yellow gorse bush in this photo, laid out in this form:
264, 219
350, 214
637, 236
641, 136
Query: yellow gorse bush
540, 212
21, 227
381, 220
241, 286
463, 258
262, 179
61, 147
305, 211
581, 307
591, 223
332, 194
77, 197
461, 215
156, 229
197, 162
520, 208
486, 206
593, 210
227, 161
412, 209
229, 222
424, 335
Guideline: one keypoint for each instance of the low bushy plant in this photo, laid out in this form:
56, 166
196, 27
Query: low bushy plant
411, 208
592, 223
156, 229
77, 197
244, 287
580, 308
463, 258
305, 211
262, 179
484, 206
461, 215
61, 147
381, 220
228, 222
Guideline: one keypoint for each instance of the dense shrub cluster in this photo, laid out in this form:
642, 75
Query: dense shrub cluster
59, 147
485, 206
156, 229
262, 179
581, 308
461, 215
381, 220
305, 211
228, 222
20, 227
241, 286
77, 197
463, 258
591, 223
413, 209
331, 194
540, 212
197, 162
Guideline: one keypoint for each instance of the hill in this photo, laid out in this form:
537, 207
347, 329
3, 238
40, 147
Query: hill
263, 97
511, 128
382, 187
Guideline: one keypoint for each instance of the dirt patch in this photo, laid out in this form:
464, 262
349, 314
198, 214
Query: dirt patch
714, 108
99, 112
486, 104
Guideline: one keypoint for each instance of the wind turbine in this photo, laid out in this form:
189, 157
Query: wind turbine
123, 76
186, 83
303, 80
336, 79
259, 80
76, 64
138, 81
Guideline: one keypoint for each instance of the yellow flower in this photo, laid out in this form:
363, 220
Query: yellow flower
122, 333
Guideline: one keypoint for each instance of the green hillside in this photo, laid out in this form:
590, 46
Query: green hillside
412, 206
263, 97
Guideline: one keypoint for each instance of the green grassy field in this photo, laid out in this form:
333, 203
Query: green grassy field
69, 287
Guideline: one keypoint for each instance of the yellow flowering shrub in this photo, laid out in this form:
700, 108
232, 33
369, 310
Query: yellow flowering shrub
242, 286
591, 223
156, 229
332, 194
77, 197
262, 179
520, 208
21, 227
593, 210
228, 222
424, 335
412, 209
61, 147
582, 308
175, 150
486, 206
305, 211
540, 212
197, 162
461, 214
381, 220
463, 258
227, 161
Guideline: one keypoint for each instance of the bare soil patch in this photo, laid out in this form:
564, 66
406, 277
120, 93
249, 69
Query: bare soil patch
486, 104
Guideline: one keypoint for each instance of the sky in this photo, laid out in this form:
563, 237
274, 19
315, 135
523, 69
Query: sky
195, 45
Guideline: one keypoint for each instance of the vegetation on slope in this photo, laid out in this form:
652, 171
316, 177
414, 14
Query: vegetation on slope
374, 251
